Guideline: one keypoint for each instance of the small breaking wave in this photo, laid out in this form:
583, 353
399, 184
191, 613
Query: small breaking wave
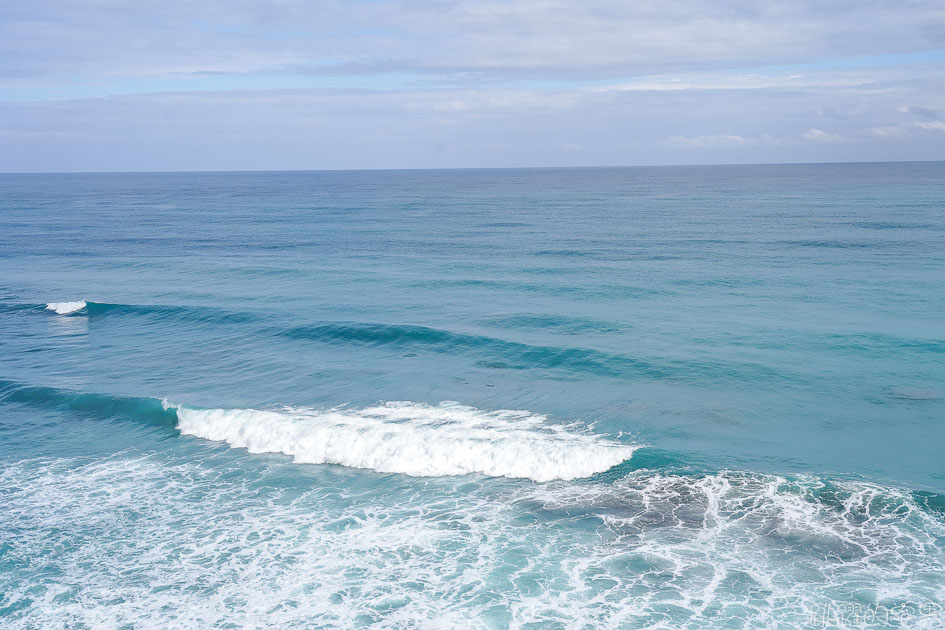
65, 308
196, 314
414, 439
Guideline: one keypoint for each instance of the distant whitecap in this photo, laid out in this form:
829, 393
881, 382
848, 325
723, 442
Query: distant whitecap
64, 308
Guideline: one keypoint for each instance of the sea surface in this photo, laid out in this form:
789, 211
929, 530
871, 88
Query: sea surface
687, 397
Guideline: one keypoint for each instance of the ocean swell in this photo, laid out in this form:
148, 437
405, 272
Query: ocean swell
193, 314
102, 406
414, 439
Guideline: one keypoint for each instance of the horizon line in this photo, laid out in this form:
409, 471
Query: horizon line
468, 168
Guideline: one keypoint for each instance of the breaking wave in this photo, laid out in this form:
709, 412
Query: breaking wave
395, 437
64, 308
415, 439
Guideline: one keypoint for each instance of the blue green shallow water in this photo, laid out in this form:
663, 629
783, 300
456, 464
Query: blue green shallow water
707, 397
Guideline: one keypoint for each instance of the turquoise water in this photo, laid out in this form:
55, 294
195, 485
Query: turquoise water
688, 397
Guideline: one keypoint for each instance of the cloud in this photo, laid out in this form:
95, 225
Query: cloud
938, 125
903, 131
923, 112
817, 135
709, 142
889, 131
247, 84
486, 38
332, 128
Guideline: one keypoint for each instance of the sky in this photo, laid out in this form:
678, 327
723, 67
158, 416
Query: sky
170, 85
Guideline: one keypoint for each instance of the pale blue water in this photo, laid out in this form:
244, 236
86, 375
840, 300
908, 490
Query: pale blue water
730, 384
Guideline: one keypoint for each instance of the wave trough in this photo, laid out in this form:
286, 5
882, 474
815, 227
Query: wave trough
414, 439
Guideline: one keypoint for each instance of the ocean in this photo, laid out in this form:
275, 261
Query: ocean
667, 397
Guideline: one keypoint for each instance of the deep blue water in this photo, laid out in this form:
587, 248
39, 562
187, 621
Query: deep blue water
687, 397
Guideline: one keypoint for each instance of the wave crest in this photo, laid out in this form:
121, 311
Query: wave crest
64, 308
414, 439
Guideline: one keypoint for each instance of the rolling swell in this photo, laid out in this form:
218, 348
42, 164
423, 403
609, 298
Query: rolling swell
145, 410
485, 351
500, 353
194, 314
557, 323
205, 314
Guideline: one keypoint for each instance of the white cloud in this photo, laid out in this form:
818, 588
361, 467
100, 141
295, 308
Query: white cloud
889, 131
337, 84
923, 112
937, 124
818, 135
333, 128
723, 80
708, 142
496, 38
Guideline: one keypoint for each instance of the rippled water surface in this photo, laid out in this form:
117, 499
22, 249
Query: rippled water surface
706, 397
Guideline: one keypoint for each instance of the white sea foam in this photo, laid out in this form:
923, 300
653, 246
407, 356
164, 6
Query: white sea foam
64, 308
155, 541
414, 439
